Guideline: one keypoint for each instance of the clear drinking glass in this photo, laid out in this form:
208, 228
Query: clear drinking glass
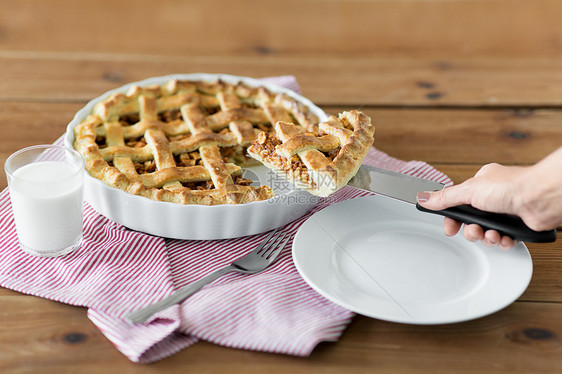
46, 184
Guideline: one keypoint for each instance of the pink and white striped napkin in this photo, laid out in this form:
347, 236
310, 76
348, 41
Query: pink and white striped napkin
118, 270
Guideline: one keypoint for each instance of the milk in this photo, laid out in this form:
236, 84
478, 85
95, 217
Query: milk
47, 200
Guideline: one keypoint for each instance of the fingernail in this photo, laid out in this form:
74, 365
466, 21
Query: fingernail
423, 196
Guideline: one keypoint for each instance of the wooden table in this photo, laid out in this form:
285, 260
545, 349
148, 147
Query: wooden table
454, 83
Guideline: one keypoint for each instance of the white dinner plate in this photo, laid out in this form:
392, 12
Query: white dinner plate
384, 259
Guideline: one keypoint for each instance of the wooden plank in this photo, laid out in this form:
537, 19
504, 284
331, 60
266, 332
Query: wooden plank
286, 27
490, 342
354, 81
27, 124
38, 335
451, 137
547, 267
458, 172
467, 136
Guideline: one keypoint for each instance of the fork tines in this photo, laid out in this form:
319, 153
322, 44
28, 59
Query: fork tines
273, 244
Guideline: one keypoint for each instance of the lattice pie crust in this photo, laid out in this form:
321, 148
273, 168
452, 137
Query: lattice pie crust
185, 141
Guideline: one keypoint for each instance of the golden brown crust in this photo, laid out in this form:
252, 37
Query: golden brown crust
331, 156
126, 132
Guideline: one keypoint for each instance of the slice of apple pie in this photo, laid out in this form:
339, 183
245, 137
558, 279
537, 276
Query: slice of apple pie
319, 161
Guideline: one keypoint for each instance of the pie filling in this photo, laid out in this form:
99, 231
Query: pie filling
235, 154
294, 167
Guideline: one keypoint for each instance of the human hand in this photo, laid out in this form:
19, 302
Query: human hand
533, 193
492, 189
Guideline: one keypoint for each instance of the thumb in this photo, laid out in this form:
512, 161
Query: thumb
448, 197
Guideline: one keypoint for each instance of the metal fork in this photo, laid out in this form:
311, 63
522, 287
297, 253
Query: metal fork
254, 262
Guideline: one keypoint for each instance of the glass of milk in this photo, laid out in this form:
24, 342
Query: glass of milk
46, 185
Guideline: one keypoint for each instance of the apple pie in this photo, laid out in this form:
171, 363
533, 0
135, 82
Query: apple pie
187, 142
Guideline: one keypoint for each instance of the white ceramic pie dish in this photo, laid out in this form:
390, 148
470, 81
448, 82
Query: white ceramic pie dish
198, 222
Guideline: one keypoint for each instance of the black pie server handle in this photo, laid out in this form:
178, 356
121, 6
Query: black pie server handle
505, 224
